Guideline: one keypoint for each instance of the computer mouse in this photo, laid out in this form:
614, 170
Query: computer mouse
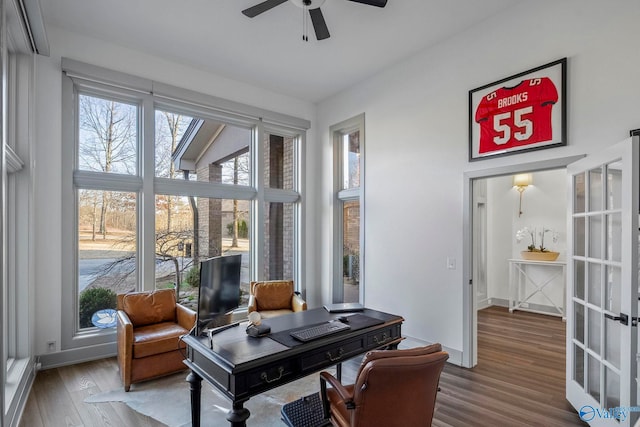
343, 319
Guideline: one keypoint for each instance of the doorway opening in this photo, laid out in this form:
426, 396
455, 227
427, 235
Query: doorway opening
489, 247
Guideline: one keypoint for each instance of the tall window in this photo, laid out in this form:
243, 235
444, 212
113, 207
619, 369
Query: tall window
348, 140
158, 187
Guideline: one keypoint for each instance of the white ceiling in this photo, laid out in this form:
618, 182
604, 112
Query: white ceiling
268, 51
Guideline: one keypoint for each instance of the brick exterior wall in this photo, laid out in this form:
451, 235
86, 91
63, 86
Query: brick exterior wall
209, 215
351, 224
278, 241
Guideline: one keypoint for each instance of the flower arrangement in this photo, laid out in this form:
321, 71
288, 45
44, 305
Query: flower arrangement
532, 233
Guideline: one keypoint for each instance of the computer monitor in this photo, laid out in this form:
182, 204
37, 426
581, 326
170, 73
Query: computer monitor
219, 290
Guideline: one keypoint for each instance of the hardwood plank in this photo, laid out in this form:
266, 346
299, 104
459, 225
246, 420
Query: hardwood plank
54, 402
31, 415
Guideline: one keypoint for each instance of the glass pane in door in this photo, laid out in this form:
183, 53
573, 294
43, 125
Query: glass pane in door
594, 322
595, 236
612, 343
612, 389
578, 362
579, 236
595, 284
614, 185
595, 190
579, 193
614, 236
578, 286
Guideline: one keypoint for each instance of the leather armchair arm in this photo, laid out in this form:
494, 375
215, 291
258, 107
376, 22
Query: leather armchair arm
253, 304
125, 346
342, 391
297, 303
185, 317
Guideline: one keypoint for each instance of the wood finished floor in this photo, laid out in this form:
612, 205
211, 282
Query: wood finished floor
519, 381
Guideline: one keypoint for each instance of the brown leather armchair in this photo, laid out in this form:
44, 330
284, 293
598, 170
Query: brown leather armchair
274, 298
393, 388
149, 328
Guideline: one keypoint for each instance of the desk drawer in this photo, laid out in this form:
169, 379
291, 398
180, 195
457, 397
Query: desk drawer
333, 354
383, 337
266, 377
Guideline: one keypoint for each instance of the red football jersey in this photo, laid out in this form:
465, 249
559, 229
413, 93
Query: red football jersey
516, 116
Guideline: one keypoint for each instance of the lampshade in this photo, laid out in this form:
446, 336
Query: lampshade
522, 180
255, 318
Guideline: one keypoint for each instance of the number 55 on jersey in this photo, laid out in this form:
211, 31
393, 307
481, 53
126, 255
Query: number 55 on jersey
517, 116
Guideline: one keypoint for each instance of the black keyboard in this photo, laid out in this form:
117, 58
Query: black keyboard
319, 331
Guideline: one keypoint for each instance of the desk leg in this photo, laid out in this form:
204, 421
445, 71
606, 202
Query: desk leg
238, 415
196, 386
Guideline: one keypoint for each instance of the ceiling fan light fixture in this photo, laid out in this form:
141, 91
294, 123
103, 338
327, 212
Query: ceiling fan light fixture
310, 8
308, 4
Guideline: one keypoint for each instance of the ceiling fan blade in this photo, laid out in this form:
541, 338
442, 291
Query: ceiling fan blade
262, 7
319, 25
378, 3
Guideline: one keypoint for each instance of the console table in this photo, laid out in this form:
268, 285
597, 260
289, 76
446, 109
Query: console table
241, 366
520, 275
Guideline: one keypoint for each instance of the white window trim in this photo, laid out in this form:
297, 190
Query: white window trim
16, 252
149, 96
337, 131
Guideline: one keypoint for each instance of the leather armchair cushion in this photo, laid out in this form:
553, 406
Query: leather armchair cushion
274, 295
158, 338
265, 314
147, 308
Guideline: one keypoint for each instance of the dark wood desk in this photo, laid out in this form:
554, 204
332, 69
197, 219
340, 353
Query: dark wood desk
241, 366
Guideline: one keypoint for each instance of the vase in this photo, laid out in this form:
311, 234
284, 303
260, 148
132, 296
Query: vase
539, 256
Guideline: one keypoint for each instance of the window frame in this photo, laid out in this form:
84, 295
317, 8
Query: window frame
16, 198
337, 132
150, 97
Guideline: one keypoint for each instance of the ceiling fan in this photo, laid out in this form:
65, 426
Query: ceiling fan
313, 6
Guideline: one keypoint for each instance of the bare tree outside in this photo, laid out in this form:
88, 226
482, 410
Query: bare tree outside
169, 129
107, 142
171, 239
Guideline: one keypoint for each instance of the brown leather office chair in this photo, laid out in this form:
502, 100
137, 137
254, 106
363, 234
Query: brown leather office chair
149, 327
274, 298
393, 388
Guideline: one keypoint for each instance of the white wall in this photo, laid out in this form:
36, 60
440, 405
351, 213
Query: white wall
416, 121
48, 151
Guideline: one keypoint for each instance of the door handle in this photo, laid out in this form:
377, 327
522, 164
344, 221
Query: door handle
623, 318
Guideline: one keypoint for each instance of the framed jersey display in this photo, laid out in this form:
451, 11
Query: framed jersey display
523, 112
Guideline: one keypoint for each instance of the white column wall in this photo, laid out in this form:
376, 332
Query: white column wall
416, 121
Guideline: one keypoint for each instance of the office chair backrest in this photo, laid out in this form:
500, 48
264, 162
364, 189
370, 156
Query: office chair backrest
398, 389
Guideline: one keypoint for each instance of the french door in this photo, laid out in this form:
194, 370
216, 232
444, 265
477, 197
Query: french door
602, 286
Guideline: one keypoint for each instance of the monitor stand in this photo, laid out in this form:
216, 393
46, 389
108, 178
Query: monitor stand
212, 331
